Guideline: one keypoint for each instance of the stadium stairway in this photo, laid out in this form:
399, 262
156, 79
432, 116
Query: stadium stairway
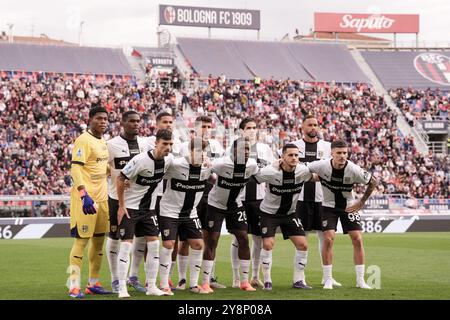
136, 67
420, 139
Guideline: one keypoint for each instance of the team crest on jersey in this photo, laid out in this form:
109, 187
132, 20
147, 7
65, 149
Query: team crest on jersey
122, 232
79, 153
264, 230
366, 175
84, 228
210, 224
324, 223
347, 179
166, 232
113, 228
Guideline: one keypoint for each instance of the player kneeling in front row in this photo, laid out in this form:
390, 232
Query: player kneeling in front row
337, 176
278, 209
186, 179
137, 209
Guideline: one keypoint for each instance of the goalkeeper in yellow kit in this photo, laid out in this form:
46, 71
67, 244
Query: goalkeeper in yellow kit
89, 219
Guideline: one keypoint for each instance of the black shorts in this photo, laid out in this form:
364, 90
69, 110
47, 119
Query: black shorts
253, 217
290, 225
202, 207
113, 206
140, 223
236, 219
349, 221
186, 228
310, 214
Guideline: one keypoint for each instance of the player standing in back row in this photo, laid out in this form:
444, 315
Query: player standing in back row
337, 176
121, 150
251, 198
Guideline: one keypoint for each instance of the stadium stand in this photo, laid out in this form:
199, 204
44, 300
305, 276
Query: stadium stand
244, 60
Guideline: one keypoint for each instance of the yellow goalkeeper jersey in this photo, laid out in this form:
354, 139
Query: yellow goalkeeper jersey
90, 155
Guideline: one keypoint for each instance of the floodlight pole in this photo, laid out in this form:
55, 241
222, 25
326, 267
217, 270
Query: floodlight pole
79, 34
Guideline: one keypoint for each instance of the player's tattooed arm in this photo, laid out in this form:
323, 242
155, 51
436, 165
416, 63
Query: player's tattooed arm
360, 203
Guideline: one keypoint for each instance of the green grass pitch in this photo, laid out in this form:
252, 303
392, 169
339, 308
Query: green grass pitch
413, 266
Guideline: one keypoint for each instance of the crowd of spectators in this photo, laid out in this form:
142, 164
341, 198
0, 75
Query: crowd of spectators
40, 118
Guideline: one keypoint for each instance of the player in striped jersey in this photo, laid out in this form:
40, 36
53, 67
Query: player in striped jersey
203, 125
224, 202
186, 180
121, 150
136, 211
309, 205
283, 186
338, 176
251, 198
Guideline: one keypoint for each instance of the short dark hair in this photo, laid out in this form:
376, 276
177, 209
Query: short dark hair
288, 146
196, 142
339, 144
245, 121
310, 116
160, 115
164, 134
204, 119
96, 109
127, 114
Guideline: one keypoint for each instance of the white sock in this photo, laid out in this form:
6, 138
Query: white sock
245, 269
213, 275
137, 254
359, 268
182, 266
300, 260
207, 269
266, 264
152, 263
327, 272
112, 253
165, 261
195, 265
234, 249
124, 262
256, 256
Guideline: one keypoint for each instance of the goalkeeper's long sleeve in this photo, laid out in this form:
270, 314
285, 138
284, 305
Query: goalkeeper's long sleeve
77, 177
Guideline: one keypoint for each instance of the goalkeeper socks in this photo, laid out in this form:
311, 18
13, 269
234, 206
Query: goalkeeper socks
234, 248
256, 256
112, 253
124, 262
137, 254
76, 261
152, 263
165, 261
300, 260
95, 257
182, 266
195, 263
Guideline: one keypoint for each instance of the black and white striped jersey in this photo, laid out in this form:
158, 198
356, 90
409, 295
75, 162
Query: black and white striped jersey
144, 173
308, 152
263, 156
282, 188
121, 151
337, 184
185, 187
226, 193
